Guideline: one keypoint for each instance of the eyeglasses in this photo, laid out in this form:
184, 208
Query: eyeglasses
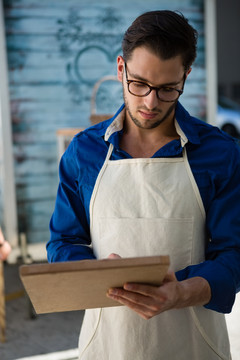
141, 89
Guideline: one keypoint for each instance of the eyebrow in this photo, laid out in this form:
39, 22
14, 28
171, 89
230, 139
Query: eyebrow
138, 77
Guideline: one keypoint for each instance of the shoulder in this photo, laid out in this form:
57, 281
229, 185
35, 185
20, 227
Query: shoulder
209, 148
85, 154
216, 160
216, 141
206, 137
95, 134
88, 140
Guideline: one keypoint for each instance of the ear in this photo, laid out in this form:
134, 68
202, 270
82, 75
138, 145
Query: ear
188, 72
120, 67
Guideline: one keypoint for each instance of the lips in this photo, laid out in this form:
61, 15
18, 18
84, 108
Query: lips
148, 115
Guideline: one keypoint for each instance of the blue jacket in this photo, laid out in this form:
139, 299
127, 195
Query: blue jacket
214, 158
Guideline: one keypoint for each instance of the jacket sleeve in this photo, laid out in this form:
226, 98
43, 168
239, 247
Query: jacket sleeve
222, 266
69, 227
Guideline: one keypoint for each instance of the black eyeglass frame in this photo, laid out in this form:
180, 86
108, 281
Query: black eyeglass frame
180, 92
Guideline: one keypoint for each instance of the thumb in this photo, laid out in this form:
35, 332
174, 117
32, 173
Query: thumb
114, 256
170, 276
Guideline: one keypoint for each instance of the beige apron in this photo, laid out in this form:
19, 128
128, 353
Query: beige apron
144, 207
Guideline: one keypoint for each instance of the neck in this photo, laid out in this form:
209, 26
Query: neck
139, 142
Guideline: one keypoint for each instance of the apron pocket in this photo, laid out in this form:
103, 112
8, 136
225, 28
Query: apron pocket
146, 237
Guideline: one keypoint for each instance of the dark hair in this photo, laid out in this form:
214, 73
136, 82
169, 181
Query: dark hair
165, 33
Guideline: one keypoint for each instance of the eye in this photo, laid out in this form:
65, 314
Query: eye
167, 90
139, 85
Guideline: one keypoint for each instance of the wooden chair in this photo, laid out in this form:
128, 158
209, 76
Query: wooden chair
2, 305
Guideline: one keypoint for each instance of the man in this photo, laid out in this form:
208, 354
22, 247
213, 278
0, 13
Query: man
154, 180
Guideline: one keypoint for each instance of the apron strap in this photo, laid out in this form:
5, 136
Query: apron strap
109, 153
193, 182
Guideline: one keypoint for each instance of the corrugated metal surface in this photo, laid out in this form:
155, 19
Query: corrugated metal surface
57, 50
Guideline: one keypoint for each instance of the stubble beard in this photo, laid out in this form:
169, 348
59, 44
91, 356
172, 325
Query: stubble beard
148, 124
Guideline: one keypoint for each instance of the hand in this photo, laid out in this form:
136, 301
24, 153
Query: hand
149, 301
5, 247
5, 250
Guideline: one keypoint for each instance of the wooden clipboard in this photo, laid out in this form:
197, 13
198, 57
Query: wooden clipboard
78, 285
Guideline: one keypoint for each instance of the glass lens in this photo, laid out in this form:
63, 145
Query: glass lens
138, 88
168, 94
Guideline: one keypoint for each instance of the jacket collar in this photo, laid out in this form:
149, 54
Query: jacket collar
184, 123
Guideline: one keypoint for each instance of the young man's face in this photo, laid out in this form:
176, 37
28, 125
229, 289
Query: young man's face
149, 112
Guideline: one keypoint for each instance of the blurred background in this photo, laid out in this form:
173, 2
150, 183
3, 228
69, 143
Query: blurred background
57, 75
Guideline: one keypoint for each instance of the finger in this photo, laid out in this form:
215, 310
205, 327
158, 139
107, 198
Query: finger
146, 290
114, 256
143, 311
170, 276
135, 298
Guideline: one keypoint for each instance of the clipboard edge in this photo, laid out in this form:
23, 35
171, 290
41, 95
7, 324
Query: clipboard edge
70, 266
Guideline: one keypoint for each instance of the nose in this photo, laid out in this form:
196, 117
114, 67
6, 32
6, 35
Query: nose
151, 100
